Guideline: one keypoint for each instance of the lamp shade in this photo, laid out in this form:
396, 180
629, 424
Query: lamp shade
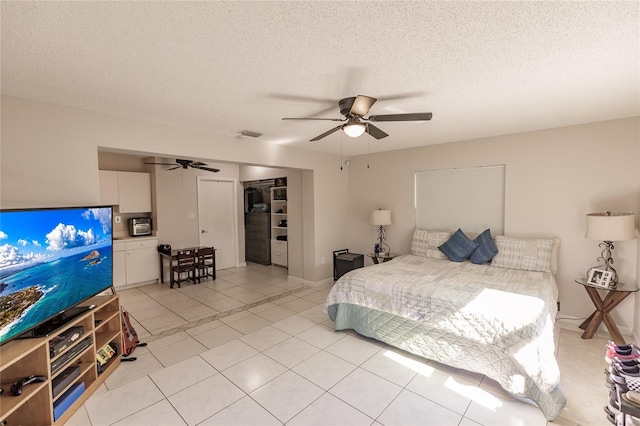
354, 130
380, 217
611, 226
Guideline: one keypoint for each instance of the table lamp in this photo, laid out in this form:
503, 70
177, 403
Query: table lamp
381, 218
609, 227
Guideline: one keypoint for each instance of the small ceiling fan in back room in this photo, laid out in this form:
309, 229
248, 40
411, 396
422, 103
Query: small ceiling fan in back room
354, 110
185, 164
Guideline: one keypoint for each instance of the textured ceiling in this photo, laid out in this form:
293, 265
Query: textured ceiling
481, 68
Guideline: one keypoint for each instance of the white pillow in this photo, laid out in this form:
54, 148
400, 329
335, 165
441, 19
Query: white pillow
526, 254
426, 243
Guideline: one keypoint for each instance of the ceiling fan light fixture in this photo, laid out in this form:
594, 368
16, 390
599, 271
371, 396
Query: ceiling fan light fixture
354, 129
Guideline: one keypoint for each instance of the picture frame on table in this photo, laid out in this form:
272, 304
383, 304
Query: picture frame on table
599, 277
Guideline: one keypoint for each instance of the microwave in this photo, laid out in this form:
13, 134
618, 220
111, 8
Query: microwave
139, 226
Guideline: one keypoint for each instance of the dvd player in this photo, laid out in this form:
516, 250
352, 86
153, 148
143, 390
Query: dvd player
63, 340
58, 363
64, 379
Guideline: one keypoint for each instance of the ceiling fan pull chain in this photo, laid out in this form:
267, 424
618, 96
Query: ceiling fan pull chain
341, 140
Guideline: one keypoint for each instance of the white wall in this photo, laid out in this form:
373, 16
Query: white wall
553, 178
636, 319
49, 157
176, 198
174, 194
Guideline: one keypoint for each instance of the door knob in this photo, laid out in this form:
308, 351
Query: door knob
203, 231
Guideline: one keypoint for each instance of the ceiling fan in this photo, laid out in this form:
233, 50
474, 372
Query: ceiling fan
184, 164
354, 110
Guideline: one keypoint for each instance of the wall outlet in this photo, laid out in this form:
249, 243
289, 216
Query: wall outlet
322, 260
191, 216
118, 219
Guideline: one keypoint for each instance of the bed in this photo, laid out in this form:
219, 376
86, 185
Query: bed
493, 318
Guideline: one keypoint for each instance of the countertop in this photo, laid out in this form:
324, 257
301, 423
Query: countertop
128, 238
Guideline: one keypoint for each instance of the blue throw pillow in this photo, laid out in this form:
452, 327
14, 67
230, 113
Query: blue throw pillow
458, 247
486, 248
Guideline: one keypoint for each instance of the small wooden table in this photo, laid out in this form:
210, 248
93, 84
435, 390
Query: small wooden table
603, 307
384, 256
173, 256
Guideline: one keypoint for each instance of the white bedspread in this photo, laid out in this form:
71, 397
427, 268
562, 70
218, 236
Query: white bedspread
479, 308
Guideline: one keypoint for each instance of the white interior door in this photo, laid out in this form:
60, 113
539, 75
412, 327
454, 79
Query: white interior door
217, 219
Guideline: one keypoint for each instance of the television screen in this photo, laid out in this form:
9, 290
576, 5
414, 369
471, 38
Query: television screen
50, 261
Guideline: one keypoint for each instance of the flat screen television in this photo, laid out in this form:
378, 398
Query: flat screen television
51, 260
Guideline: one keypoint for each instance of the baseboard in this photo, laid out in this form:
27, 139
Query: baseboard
310, 283
140, 284
572, 323
296, 280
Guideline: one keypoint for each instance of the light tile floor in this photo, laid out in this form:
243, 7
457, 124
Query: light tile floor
253, 348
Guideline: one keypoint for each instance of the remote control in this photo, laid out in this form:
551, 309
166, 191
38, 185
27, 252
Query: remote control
16, 388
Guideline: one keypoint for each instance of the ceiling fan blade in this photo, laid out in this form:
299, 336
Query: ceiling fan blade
315, 118
176, 167
297, 98
198, 163
375, 132
163, 164
209, 169
418, 116
323, 111
362, 104
317, 138
399, 96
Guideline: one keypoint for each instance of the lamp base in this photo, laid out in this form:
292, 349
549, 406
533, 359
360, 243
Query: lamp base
382, 247
607, 260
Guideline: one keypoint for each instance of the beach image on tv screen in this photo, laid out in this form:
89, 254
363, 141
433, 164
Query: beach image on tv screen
50, 260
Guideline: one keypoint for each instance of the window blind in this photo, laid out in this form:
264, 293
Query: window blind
471, 199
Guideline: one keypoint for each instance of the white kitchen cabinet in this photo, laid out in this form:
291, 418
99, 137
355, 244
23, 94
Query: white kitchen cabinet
135, 261
142, 260
108, 188
130, 191
134, 192
119, 265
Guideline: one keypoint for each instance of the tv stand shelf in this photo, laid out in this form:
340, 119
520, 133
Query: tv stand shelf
24, 357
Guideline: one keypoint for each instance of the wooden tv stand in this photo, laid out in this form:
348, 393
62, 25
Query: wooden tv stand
25, 357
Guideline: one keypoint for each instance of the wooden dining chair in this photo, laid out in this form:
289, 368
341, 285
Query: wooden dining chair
185, 267
206, 263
